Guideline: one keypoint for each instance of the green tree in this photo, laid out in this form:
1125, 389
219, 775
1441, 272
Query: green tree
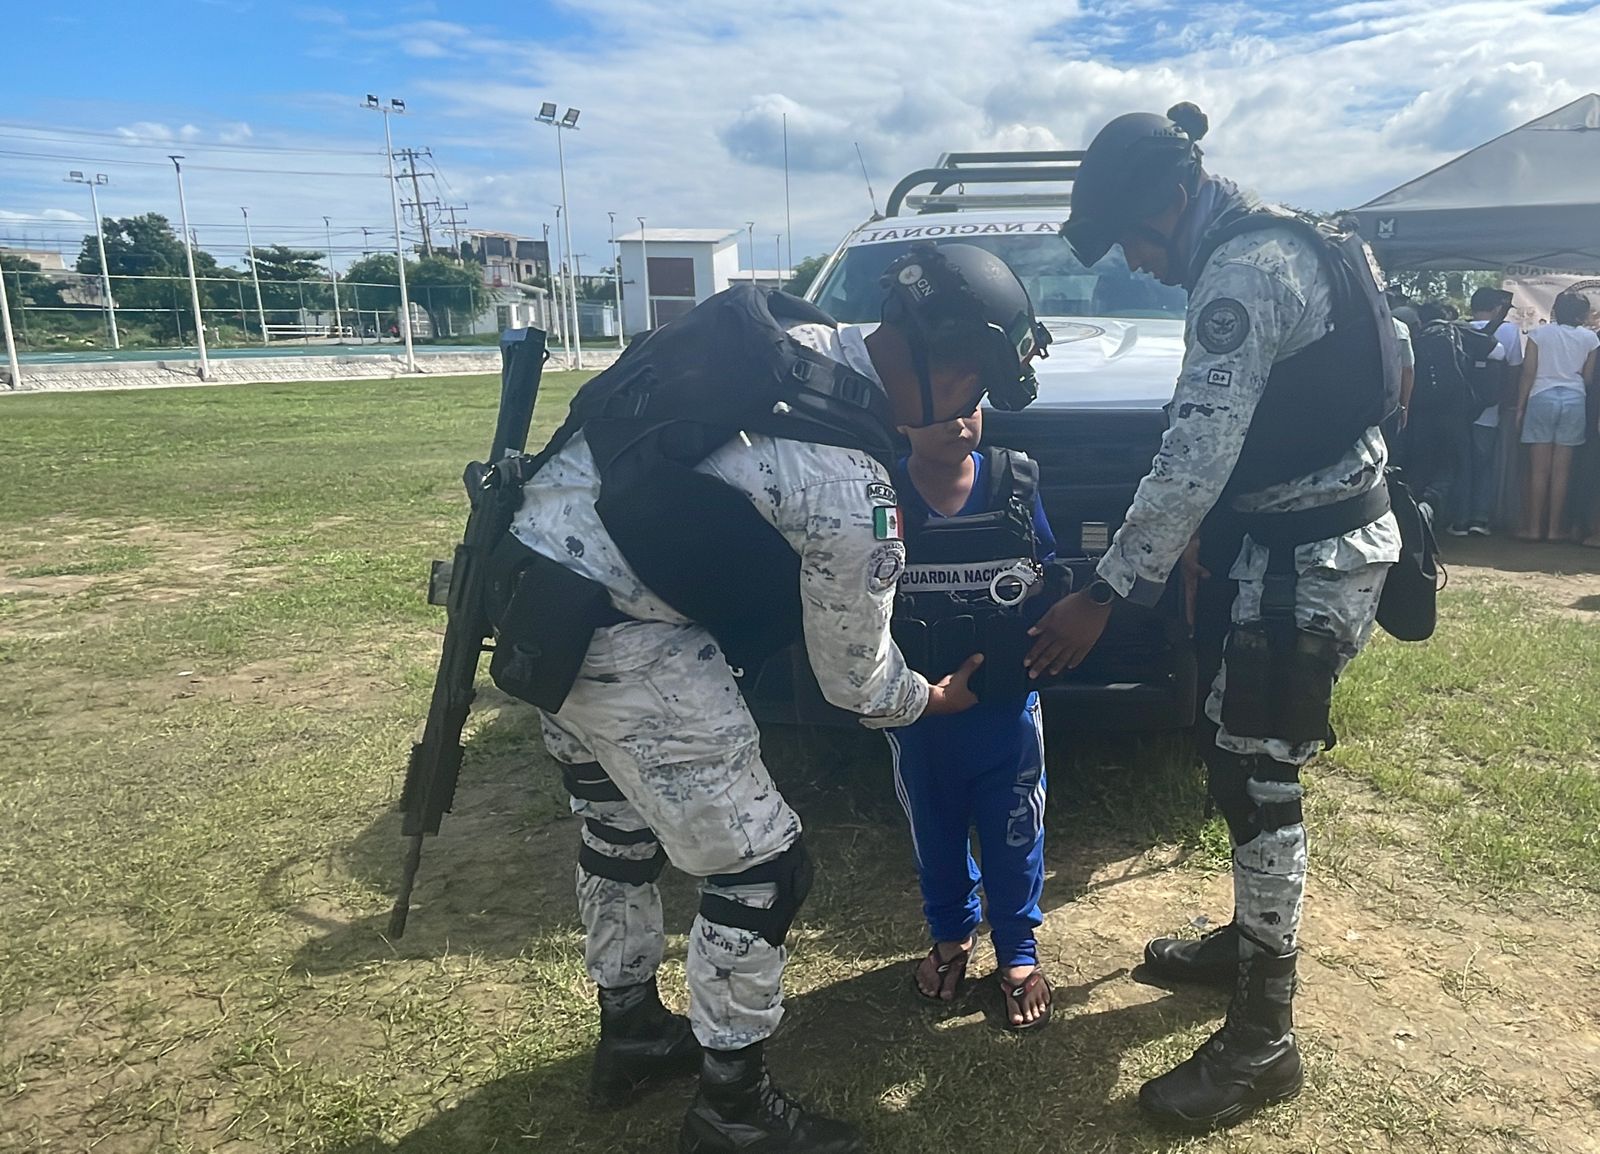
26, 288
449, 292
804, 273
150, 274
280, 262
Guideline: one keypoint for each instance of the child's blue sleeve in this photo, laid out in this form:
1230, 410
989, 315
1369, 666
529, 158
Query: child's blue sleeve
1041, 530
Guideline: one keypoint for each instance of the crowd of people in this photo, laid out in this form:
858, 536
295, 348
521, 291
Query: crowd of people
1498, 429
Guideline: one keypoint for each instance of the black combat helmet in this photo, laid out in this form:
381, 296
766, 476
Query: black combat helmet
1128, 174
959, 299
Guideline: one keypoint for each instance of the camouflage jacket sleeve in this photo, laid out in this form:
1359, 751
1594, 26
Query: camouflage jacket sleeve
847, 587
1240, 316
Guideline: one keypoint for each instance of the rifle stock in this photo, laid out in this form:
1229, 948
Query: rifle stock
435, 763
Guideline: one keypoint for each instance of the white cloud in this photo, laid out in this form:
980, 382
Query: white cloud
683, 105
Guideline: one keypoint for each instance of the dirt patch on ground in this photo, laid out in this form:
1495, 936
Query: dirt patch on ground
1564, 578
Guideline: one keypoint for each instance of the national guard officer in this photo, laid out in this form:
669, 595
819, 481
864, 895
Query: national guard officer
1289, 367
660, 752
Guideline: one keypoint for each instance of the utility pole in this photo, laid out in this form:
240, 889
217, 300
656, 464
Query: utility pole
750, 227
194, 285
250, 244
338, 317
366, 243
11, 340
561, 292
399, 106
455, 226
100, 240
644, 256
411, 155
777, 256
422, 207
616, 275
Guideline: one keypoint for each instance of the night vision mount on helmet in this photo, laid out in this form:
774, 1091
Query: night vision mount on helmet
958, 301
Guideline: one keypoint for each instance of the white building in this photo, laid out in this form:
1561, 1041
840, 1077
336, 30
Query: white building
687, 265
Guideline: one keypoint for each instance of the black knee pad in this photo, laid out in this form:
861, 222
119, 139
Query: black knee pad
630, 871
1227, 775
791, 872
586, 781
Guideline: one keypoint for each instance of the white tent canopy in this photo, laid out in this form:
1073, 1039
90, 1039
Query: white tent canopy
1529, 198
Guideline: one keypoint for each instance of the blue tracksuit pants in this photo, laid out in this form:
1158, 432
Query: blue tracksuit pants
981, 769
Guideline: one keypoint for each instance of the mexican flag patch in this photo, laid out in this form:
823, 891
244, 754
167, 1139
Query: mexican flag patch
886, 523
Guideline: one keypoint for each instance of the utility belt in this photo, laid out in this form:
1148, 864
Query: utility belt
544, 616
1279, 676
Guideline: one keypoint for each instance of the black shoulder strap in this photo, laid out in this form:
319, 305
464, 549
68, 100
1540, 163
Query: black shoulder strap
1010, 475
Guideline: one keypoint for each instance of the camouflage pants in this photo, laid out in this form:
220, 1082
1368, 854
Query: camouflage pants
657, 707
1269, 871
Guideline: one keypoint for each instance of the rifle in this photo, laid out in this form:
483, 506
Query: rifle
495, 491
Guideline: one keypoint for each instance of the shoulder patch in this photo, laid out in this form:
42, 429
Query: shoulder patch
884, 566
882, 493
886, 523
1220, 378
1222, 325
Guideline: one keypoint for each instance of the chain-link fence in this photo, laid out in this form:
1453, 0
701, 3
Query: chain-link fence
53, 310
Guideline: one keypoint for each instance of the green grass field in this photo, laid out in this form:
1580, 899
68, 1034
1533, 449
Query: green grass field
215, 651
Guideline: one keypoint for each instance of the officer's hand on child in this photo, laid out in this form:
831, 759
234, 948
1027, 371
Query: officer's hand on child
952, 694
1066, 634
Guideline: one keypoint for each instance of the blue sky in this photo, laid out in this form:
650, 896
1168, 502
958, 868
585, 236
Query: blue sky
683, 104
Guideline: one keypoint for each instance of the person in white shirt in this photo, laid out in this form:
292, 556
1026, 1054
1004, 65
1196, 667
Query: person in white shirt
1483, 477
1551, 412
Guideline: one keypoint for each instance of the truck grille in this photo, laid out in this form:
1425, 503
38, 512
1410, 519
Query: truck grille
1090, 463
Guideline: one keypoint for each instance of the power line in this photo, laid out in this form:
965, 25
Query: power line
45, 134
197, 167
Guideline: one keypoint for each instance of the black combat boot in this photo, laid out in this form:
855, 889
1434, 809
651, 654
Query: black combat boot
1212, 960
1247, 1064
641, 1042
739, 1109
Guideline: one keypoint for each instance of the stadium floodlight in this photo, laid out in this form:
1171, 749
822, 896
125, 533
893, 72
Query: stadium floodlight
395, 106
77, 177
194, 285
568, 123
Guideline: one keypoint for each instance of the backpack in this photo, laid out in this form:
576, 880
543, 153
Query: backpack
1453, 366
725, 368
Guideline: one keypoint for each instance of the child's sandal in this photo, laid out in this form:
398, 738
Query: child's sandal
1016, 994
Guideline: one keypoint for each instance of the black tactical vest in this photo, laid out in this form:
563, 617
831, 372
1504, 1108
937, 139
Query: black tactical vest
1320, 401
967, 577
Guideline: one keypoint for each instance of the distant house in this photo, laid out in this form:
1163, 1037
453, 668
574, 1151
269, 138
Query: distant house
508, 259
686, 266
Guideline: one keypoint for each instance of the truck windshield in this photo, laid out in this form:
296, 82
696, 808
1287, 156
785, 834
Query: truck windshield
1058, 285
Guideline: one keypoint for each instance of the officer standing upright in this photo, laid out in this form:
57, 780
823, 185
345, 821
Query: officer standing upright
1289, 367
661, 754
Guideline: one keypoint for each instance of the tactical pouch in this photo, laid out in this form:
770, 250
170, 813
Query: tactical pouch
1279, 682
1408, 606
544, 616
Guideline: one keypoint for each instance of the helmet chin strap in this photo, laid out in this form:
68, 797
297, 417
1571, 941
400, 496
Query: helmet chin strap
1167, 243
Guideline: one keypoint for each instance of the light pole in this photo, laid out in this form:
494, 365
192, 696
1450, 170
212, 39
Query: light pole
338, 317
567, 123
561, 290
644, 257
100, 239
255, 277
750, 227
5, 323
777, 257
396, 106
194, 285
616, 271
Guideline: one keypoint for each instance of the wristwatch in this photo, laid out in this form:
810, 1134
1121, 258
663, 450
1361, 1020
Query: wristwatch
1101, 592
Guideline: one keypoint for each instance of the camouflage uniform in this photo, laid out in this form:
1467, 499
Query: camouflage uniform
1260, 298
655, 728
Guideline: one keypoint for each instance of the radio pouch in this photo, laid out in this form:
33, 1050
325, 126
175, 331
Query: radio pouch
544, 616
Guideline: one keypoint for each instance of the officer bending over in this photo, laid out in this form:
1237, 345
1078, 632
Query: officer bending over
660, 752
1289, 366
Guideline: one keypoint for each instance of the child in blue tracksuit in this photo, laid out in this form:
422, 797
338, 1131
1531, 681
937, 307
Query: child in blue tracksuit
983, 768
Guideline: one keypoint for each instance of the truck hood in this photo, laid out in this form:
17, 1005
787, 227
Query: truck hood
1099, 363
